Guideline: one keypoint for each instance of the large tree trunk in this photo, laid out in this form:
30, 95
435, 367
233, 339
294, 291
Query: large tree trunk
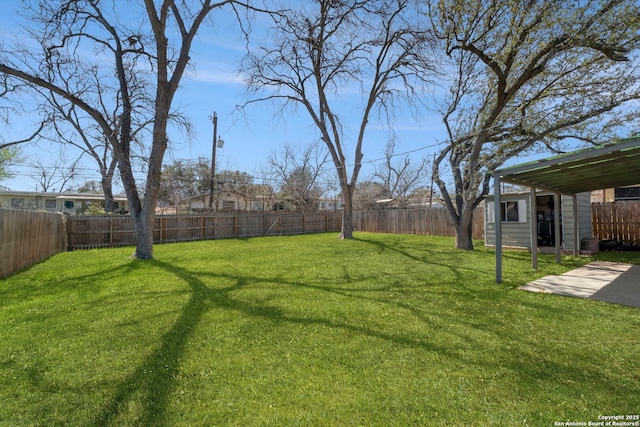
464, 230
145, 219
143, 222
346, 232
107, 191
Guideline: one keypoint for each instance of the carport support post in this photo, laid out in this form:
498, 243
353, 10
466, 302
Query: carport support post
556, 220
576, 235
497, 209
533, 217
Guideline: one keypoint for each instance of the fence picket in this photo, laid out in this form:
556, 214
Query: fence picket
27, 237
619, 221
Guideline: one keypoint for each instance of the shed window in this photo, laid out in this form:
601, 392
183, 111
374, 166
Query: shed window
514, 211
68, 204
509, 211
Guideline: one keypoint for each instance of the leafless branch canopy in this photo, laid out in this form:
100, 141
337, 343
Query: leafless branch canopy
328, 52
528, 75
134, 72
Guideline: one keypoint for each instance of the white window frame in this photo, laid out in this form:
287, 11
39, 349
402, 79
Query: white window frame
520, 211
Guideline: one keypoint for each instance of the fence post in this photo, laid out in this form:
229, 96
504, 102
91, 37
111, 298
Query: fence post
235, 226
110, 231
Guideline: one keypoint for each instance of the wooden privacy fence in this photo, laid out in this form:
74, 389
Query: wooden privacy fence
94, 232
433, 221
618, 221
28, 237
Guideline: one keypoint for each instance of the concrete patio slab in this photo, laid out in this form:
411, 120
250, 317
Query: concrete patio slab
603, 281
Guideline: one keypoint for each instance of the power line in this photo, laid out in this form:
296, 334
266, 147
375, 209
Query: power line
546, 111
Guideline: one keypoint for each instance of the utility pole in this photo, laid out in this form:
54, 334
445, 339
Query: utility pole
217, 142
214, 118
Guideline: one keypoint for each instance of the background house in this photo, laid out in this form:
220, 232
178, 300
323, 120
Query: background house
29, 200
630, 192
76, 204
225, 201
68, 203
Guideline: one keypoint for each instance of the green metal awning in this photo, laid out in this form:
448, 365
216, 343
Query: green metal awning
605, 166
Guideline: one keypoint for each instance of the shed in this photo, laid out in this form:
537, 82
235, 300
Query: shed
610, 165
516, 214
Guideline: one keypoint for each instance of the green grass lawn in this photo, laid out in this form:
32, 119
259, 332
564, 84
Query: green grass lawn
384, 330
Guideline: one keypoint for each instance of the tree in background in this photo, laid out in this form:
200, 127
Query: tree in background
69, 125
324, 52
157, 46
368, 194
189, 179
55, 174
399, 176
236, 182
182, 180
297, 173
90, 187
528, 76
8, 156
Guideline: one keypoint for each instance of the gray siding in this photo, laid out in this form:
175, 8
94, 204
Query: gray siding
585, 226
584, 219
517, 234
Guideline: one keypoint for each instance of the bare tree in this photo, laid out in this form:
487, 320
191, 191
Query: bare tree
91, 142
157, 46
367, 194
55, 174
298, 174
326, 49
528, 76
263, 193
11, 91
399, 176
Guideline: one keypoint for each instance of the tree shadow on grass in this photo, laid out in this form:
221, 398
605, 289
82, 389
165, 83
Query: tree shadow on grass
155, 376
152, 382
426, 257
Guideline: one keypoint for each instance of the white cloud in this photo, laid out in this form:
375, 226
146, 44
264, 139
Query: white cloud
219, 76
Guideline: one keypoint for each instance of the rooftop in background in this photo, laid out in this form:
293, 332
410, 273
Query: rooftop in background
49, 195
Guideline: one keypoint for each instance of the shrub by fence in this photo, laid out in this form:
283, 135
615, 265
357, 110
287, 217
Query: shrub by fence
619, 221
28, 237
433, 221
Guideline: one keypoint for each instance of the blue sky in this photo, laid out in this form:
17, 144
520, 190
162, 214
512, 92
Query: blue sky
214, 85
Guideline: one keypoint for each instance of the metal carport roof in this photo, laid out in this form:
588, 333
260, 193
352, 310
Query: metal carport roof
606, 166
